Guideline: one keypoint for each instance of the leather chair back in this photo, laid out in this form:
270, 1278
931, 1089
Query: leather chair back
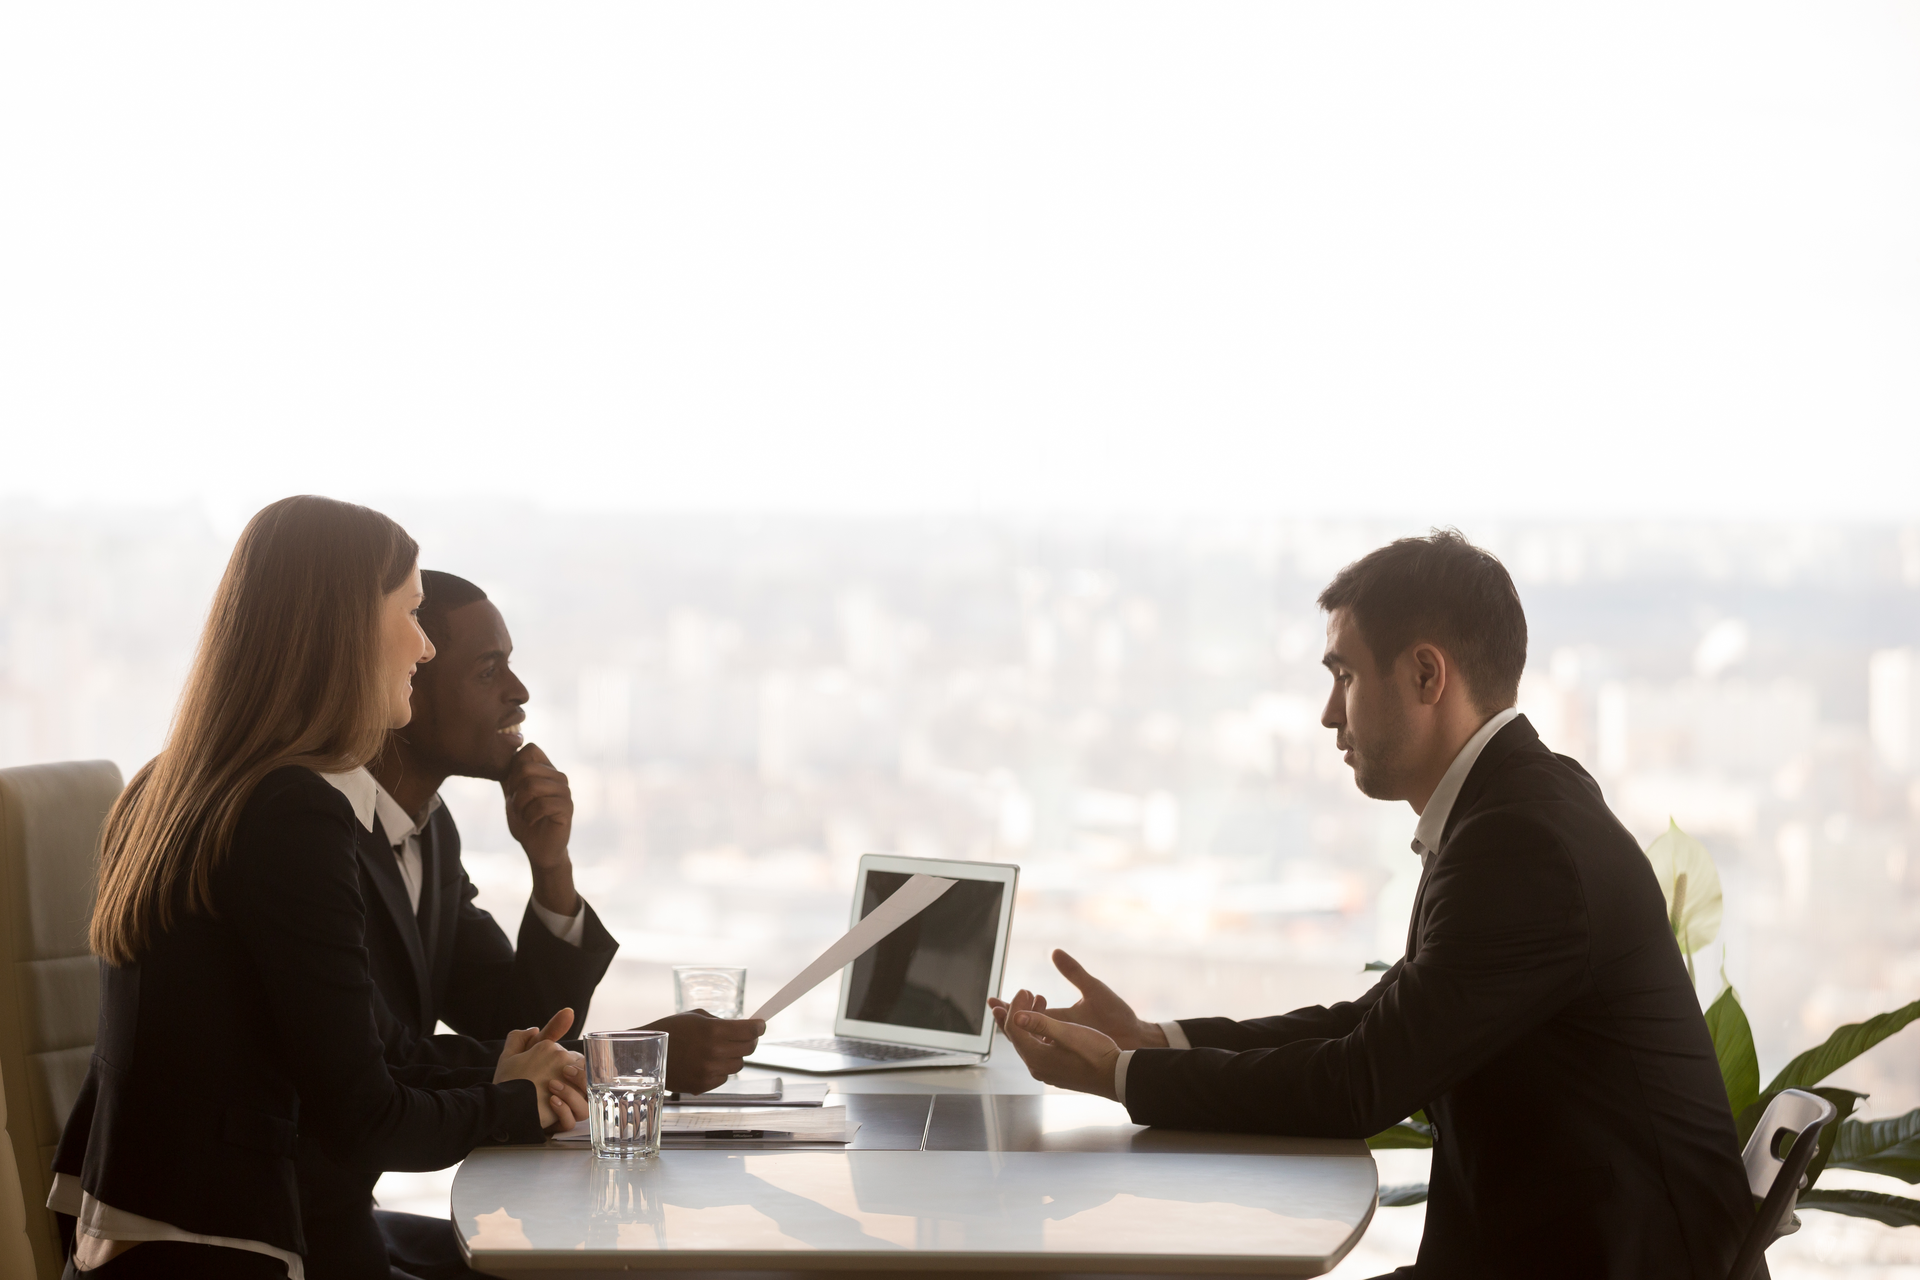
50, 820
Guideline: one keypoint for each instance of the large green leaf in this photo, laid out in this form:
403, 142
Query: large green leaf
1403, 1195
1414, 1133
1890, 1147
1842, 1047
1895, 1211
1843, 1100
1733, 1046
1691, 885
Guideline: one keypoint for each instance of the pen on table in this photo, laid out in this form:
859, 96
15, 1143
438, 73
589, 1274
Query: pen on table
734, 1133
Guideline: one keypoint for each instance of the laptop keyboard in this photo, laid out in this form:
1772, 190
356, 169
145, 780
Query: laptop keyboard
871, 1050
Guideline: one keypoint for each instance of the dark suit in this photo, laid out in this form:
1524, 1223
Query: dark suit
242, 1035
1543, 1019
448, 962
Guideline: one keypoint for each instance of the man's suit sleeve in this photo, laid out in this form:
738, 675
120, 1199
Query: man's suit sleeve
494, 987
1503, 945
1316, 1023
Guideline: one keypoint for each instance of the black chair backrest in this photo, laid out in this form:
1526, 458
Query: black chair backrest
1786, 1182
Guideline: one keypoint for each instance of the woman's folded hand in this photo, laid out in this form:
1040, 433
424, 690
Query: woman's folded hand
559, 1075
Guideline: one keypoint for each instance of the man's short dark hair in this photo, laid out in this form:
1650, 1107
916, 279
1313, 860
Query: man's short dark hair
1444, 590
444, 593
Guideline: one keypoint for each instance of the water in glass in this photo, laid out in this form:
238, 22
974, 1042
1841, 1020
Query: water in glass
623, 1117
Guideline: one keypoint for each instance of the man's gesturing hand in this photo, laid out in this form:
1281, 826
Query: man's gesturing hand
1059, 1053
559, 1076
1098, 1007
702, 1050
540, 817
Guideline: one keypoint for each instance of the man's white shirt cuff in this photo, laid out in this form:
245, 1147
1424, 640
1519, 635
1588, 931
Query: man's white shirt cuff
1176, 1039
571, 930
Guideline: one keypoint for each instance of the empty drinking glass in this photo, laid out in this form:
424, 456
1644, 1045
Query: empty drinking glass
719, 990
626, 1077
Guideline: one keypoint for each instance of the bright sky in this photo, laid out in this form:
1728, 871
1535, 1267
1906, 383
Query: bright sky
1439, 258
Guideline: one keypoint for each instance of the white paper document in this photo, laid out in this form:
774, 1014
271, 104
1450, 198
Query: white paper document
795, 1093
908, 901
760, 1124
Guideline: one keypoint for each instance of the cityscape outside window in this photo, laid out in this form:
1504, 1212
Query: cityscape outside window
1130, 713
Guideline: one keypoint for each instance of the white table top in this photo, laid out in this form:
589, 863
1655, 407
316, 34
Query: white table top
996, 1182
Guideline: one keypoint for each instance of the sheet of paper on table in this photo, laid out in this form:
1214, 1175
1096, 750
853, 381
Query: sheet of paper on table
789, 1125
793, 1093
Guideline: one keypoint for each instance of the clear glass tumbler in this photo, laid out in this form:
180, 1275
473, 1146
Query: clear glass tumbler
626, 1078
719, 990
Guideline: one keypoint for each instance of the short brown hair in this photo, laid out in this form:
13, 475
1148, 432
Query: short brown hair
287, 673
1442, 589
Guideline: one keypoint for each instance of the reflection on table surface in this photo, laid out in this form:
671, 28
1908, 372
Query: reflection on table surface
1059, 1182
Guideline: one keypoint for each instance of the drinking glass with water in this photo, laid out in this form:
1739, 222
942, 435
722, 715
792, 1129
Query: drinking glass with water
626, 1078
719, 989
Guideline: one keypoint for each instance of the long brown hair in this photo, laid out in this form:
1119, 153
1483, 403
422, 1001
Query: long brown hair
287, 673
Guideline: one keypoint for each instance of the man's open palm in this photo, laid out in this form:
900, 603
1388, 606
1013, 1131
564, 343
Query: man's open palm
1098, 1007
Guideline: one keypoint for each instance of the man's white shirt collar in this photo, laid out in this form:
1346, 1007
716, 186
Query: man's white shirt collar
1433, 822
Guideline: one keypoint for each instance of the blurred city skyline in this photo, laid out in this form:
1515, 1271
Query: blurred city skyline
1127, 709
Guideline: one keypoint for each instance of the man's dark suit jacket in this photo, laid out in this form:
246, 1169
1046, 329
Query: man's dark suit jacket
241, 1036
1543, 1019
449, 962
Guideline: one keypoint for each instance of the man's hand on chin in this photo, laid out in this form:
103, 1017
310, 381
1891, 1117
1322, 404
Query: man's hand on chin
540, 817
1063, 1054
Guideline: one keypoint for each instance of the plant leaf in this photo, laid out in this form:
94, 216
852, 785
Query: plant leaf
1403, 1195
1844, 1102
1415, 1133
1889, 1147
1895, 1211
1376, 966
1842, 1047
1733, 1046
1691, 885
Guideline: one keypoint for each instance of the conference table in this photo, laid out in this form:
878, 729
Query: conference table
969, 1171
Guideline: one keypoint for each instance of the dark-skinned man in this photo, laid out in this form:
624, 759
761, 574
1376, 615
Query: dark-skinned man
1542, 1016
435, 956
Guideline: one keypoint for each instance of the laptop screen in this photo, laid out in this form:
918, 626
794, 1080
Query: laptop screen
934, 972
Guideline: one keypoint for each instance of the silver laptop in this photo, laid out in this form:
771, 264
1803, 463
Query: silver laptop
918, 998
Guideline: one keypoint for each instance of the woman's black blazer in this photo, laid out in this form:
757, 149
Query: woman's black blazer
240, 1035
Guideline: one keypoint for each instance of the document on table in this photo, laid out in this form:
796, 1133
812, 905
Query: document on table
739, 1124
908, 901
795, 1093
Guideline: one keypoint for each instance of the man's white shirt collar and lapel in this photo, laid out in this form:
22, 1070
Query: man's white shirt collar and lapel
1426, 839
370, 800
1433, 820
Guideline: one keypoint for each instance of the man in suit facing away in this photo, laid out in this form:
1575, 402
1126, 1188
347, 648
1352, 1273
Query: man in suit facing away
1542, 1016
436, 957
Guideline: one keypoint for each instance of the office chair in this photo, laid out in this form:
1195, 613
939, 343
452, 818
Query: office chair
1775, 1180
50, 820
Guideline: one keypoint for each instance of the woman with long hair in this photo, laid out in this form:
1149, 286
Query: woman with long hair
236, 1012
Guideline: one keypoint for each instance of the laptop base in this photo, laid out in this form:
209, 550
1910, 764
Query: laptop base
821, 1062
